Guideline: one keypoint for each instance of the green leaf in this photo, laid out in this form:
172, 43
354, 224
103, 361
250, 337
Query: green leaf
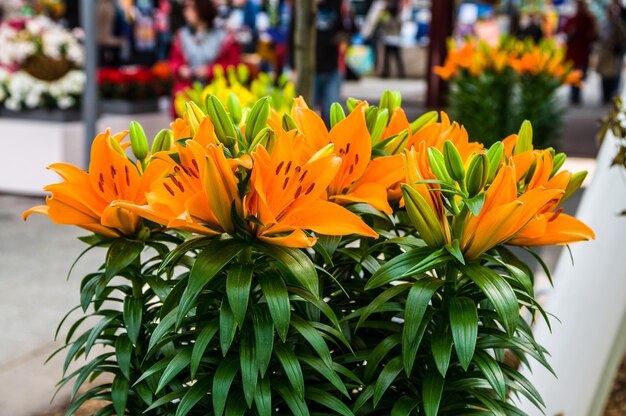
228, 329
202, 341
475, 204
162, 328
294, 401
123, 351
263, 397
454, 248
314, 338
277, 298
173, 257
119, 393
328, 400
404, 406
329, 374
175, 366
417, 302
238, 284
432, 388
121, 253
386, 377
397, 267
199, 390
166, 399
492, 372
464, 326
263, 337
380, 300
441, 346
223, 379
318, 303
498, 291
133, 311
208, 264
249, 370
376, 356
294, 264
292, 368
99, 329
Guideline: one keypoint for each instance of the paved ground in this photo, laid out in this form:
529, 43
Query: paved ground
35, 257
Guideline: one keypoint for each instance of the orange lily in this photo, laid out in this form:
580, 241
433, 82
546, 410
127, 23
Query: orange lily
85, 198
286, 197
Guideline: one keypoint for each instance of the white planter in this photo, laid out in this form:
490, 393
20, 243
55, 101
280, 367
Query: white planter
29, 146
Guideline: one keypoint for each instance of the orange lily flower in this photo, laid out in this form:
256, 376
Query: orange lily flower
85, 198
286, 197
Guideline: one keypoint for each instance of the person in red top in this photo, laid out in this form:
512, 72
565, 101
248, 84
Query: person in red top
581, 30
200, 45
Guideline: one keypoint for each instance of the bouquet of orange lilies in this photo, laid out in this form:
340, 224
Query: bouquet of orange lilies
495, 88
274, 266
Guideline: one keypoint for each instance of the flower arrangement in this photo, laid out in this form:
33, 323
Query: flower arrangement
277, 267
495, 88
135, 83
40, 61
237, 81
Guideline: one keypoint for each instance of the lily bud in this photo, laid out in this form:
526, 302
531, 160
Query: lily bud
397, 143
382, 119
453, 161
224, 127
422, 217
243, 73
234, 108
162, 141
524, 138
352, 103
265, 138
557, 163
438, 165
194, 116
371, 114
574, 184
288, 123
494, 155
423, 121
336, 114
390, 100
138, 141
477, 174
257, 119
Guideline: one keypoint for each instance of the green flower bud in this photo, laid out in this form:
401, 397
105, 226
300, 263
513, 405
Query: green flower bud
557, 163
423, 218
162, 141
257, 119
266, 138
336, 114
234, 108
351, 103
453, 161
288, 123
477, 174
371, 114
223, 125
424, 120
396, 143
194, 116
243, 73
382, 119
138, 141
494, 155
524, 138
574, 184
390, 100
438, 165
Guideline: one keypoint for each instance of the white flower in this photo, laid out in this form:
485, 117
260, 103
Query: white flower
65, 102
12, 104
3, 94
33, 99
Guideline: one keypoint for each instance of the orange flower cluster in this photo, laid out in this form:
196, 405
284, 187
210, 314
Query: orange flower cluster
292, 180
476, 57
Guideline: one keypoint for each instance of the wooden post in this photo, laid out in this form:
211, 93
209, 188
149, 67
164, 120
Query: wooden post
441, 24
304, 47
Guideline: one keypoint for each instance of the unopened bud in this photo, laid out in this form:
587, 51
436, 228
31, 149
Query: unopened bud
162, 141
257, 119
138, 141
234, 108
224, 127
453, 161
477, 174
336, 114
524, 138
423, 121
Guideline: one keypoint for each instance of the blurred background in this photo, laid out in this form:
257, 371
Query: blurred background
61, 80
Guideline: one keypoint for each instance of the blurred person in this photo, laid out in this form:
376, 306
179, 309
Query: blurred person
162, 24
392, 40
531, 29
199, 45
109, 43
581, 31
612, 48
331, 36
